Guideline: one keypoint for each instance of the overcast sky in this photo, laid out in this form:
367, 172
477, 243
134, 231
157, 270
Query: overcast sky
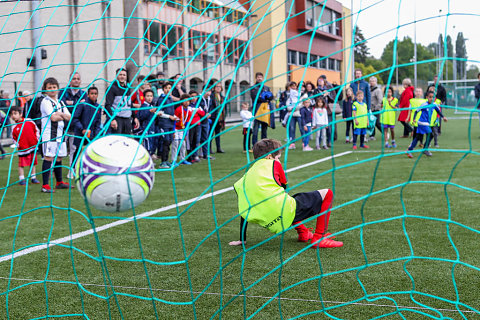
380, 16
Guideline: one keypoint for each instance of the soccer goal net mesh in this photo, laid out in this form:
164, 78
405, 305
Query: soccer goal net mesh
409, 226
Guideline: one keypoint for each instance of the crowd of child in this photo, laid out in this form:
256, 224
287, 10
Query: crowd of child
175, 126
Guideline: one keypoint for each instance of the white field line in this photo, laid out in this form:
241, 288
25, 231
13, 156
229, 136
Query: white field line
234, 295
85, 233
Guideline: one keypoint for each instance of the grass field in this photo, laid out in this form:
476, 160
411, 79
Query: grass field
410, 229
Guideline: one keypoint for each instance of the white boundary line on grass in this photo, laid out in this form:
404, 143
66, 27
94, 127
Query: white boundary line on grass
85, 233
234, 295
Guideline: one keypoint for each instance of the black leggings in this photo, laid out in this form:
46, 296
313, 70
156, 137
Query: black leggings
349, 123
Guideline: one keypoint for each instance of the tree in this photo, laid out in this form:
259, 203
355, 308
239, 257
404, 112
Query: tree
472, 72
361, 51
461, 55
425, 71
450, 52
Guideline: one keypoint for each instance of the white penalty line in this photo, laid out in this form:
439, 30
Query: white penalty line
206, 293
85, 233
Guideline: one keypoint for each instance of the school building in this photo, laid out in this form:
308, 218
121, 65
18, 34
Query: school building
295, 53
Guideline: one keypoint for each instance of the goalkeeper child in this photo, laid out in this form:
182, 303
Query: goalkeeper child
263, 200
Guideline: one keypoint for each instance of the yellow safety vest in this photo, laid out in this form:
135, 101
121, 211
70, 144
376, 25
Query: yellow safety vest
262, 201
388, 115
361, 115
434, 119
415, 103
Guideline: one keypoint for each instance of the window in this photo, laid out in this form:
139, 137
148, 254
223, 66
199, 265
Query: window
313, 61
152, 37
338, 65
337, 24
309, 13
302, 58
206, 44
322, 63
331, 64
162, 39
177, 4
292, 57
234, 49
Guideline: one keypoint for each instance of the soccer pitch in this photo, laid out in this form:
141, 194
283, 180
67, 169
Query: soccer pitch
410, 249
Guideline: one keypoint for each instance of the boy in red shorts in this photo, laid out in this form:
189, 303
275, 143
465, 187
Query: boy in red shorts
263, 200
25, 134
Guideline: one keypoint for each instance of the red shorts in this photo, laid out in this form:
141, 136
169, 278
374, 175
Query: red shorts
27, 160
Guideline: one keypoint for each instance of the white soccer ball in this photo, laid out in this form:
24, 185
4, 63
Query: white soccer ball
114, 173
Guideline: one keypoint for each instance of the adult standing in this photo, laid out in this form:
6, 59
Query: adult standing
71, 96
178, 89
206, 103
404, 116
477, 93
376, 96
362, 85
5, 107
259, 95
118, 106
218, 122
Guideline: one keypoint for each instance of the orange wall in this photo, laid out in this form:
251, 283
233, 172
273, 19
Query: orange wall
312, 74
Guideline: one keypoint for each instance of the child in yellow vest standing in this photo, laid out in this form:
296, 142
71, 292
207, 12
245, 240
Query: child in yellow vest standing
360, 120
387, 118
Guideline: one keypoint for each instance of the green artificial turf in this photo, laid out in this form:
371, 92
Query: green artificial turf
409, 227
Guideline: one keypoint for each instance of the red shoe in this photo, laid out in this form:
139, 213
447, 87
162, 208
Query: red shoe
319, 242
354, 147
409, 154
329, 235
304, 235
46, 189
365, 147
62, 185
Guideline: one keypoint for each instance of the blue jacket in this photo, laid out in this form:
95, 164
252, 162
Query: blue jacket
306, 115
166, 104
66, 94
363, 86
145, 116
82, 119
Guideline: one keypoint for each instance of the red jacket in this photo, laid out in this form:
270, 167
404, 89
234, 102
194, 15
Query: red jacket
197, 115
184, 115
407, 94
25, 134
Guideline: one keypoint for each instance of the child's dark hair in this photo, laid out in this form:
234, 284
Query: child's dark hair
192, 92
267, 146
92, 88
184, 97
51, 81
15, 108
147, 91
165, 84
385, 91
320, 99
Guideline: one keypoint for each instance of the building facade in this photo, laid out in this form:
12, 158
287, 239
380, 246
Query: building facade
205, 42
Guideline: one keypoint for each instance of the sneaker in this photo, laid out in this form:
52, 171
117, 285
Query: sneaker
185, 162
163, 165
35, 181
354, 147
154, 157
436, 146
22, 182
250, 150
387, 146
365, 147
325, 147
329, 235
409, 155
318, 147
394, 145
347, 141
318, 242
208, 157
421, 145
307, 148
194, 160
220, 150
70, 175
427, 153
62, 185
291, 147
46, 189
372, 139
304, 235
